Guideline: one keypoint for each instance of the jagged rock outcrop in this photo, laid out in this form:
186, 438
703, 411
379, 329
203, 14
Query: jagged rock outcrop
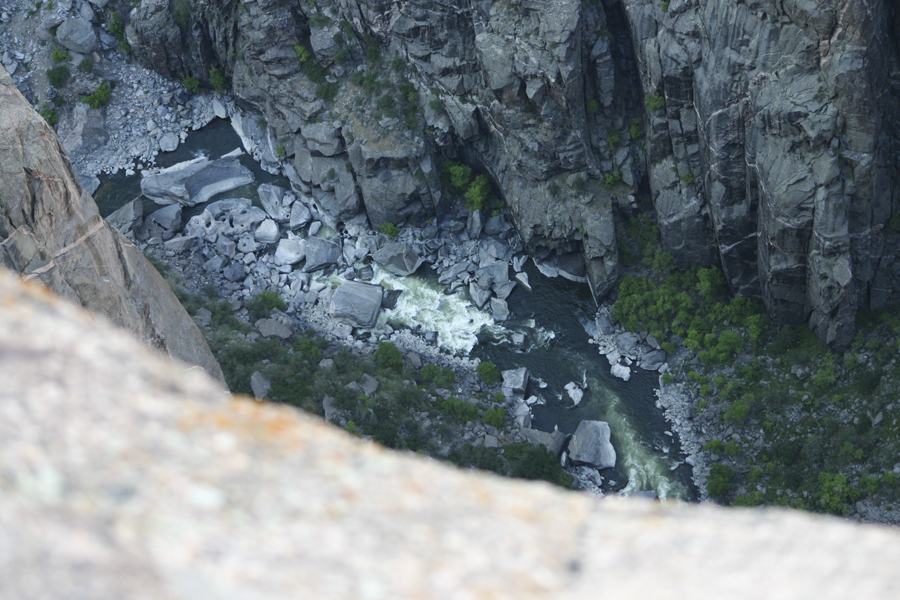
773, 128
51, 231
156, 485
766, 132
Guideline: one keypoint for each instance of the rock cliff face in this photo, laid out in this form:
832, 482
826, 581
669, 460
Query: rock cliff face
156, 485
765, 131
51, 231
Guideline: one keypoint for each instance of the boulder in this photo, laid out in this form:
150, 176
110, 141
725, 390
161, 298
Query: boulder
620, 371
628, 343
479, 295
272, 199
234, 272
574, 392
259, 385
168, 217
397, 258
180, 243
500, 309
290, 251
492, 273
474, 224
590, 445
195, 181
554, 442
128, 216
169, 142
267, 232
321, 254
357, 303
516, 379
652, 361
77, 35
368, 385
300, 215
274, 328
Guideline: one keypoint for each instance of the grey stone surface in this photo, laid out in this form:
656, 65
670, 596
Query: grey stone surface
321, 254
260, 385
357, 303
590, 445
77, 35
274, 328
500, 309
169, 142
397, 258
516, 379
272, 199
267, 232
166, 501
167, 217
290, 251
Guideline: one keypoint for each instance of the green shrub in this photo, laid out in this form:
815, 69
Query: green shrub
592, 106
478, 193
390, 230
398, 64
715, 446
688, 178
49, 115
488, 373
634, 129
457, 409
302, 53
327, 91
181, 14
218, 80
836, 493
58, 76
535, 462
738, 412
654, 101
388, 357
100, 97
720, 482
192, 84
494, 417
86, 66
611, 179
754, 498
261, 305
61, 55
430, 373
613, 138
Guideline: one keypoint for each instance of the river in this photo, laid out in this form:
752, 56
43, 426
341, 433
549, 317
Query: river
552, 318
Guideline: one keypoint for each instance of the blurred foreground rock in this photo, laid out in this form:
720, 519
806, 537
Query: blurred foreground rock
50, 230
124, 476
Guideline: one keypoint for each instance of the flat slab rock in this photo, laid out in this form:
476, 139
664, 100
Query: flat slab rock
196, 181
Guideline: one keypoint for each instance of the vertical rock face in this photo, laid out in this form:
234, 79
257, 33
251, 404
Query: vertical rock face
51, 231
773, 128
765, 131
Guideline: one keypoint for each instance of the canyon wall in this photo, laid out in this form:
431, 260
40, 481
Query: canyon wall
763, 132
51, 231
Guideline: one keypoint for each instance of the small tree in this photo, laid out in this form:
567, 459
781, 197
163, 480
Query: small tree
488, 373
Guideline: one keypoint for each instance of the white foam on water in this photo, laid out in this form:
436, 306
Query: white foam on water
423, 305
646, 470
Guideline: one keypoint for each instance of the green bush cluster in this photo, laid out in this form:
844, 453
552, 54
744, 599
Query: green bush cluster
192, 84
390, 230
634, 129
49, 114
181, 14
592, 106
86, 66
488, 373
58, 76
388, 357
61, 55
459, 410
477, 190
260, 305
720, 482
218, 79
494, 417
100, 97
654, 101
